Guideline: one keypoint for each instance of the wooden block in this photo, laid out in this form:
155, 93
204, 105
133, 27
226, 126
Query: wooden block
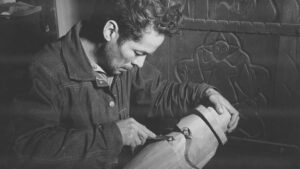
186, 151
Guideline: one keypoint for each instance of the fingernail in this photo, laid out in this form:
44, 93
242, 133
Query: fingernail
220, 110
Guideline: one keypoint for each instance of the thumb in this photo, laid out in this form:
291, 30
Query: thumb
220, 109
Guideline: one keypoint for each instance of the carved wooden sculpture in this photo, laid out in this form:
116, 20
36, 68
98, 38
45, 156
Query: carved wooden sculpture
190, 148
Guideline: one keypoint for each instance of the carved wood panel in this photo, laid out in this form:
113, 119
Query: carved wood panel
249, 50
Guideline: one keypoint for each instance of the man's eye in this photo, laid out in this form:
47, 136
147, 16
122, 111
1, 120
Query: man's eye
138, 53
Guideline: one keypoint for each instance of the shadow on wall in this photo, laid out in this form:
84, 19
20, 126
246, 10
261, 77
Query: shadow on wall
21, 36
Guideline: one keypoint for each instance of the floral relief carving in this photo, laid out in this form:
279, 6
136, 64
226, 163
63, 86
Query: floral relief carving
221, 61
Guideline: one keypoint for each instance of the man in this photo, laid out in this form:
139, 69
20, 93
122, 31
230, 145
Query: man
77, 113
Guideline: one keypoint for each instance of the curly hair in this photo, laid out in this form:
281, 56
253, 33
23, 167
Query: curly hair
133, 17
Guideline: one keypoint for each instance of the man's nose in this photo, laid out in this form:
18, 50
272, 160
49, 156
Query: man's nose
139, 61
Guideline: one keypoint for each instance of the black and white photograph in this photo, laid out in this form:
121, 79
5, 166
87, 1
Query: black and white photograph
149, 84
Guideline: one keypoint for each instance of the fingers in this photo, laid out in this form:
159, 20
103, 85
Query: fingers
234, 117
136, 141
222, 105
211, 110
219, 103
133, 133
142, 133
222, 119
234, 125
220, 108
148, 132
139, 136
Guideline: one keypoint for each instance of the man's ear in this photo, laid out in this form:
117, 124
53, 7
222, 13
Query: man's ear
110, 30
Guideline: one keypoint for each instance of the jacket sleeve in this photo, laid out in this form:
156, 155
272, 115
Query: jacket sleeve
164, 98
41, 137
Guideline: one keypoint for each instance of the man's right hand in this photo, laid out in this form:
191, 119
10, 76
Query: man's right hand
133, 133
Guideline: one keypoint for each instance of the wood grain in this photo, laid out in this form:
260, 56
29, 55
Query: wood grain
172, 154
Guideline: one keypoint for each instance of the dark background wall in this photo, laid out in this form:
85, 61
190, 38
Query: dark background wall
248, 49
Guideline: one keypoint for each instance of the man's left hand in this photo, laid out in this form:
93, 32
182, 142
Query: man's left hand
222, 105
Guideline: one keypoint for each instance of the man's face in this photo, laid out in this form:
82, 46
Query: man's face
122, 57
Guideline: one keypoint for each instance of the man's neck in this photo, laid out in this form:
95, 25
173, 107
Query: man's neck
89, 49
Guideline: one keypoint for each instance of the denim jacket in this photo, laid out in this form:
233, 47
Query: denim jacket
68, 118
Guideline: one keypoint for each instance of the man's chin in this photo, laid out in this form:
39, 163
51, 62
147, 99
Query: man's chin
118, 72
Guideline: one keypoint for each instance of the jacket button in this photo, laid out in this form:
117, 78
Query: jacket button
111, 104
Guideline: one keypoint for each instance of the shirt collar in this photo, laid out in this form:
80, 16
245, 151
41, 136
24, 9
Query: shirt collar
101, 75
77, 63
